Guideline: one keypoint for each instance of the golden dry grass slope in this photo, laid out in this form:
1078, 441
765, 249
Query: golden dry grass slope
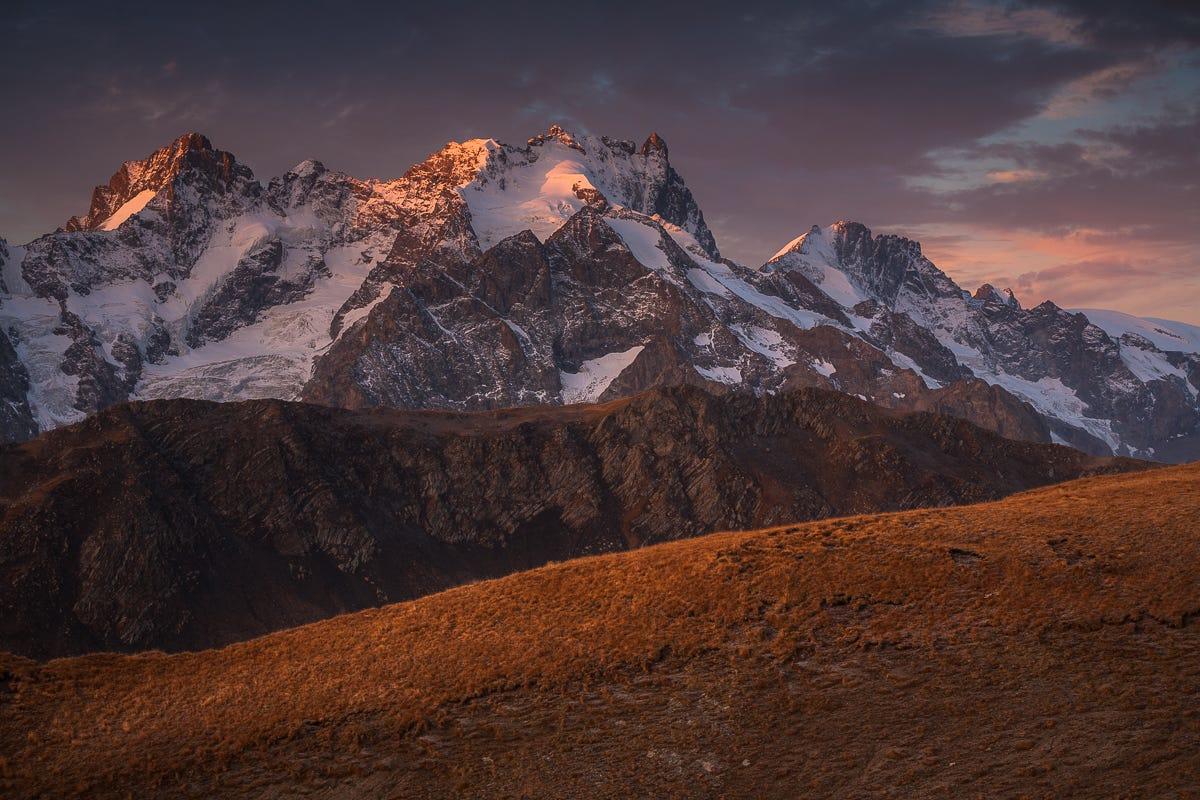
1042, 646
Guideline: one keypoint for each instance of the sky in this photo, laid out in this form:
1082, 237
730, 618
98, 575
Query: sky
1050, 147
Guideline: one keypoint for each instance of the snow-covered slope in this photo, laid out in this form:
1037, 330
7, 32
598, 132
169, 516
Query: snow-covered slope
812, 255
568, 269
1164, 334
130, 207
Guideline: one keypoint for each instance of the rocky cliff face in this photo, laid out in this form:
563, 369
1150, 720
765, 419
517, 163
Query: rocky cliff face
569, 269
15, 417
187, 524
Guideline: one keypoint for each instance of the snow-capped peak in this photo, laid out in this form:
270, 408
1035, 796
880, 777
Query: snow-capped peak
556, 133
138, 182
539, 186
797, 244
815, 255
990, 294
654, 144
307, 167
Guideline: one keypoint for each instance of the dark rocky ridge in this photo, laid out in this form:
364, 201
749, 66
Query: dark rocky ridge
183, 524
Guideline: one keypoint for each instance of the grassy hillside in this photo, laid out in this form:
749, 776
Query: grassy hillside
1042, 645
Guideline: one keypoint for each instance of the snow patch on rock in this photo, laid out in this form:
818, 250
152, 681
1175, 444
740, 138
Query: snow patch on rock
130, 207
644, 241
764, 342
727, 375
595, 375
823, 367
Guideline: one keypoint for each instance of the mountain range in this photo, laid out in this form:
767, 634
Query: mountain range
568, 269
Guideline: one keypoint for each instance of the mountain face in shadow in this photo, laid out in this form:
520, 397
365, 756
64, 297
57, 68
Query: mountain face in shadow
181, 524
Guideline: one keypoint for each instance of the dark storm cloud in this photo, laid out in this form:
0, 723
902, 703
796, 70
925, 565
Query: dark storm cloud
778, 114
838, 104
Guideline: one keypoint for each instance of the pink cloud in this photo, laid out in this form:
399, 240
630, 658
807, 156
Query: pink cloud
1097, 268
1014, 175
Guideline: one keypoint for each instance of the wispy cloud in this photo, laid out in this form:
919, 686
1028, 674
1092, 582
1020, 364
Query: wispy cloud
1079, 96
965, 18
342, 114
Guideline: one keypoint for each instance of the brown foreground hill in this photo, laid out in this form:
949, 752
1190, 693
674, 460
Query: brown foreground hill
1045, 645
183, 524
